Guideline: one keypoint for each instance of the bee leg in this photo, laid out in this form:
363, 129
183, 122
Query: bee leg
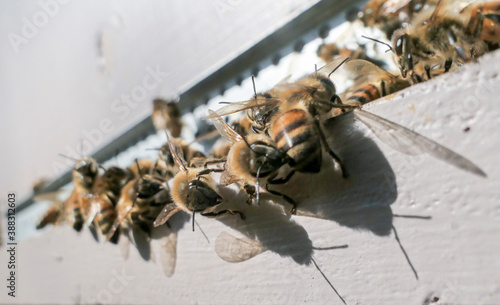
208, 171
330, 151
428, 71
284, 180
250, 190
293, 210
215, 214
136, 219
213, 161
447, 65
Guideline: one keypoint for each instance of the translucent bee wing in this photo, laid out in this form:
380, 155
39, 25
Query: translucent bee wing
122, 214
168, 254
224, 129
362, 72
235, 250
332, 66
412, 143
231, 108
51, 196
394, 6
94, 209
176, 150
168, 211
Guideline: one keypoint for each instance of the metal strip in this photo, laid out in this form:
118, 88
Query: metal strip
248, 61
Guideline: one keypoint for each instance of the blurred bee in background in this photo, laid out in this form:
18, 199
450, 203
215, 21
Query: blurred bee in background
140, 201
446, 35
370, 83
105, 195
193, 190
167, 116
390, 15
39, 185
72, 210
331, 51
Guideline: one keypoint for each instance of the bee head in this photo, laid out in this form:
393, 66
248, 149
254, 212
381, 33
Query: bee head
265, 159
148, 187
201, 196
259, 116
86, 170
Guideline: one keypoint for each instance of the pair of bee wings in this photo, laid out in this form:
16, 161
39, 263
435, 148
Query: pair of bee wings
282, 86
394, 135
412, 143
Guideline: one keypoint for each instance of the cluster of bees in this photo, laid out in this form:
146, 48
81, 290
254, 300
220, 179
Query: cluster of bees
282, 127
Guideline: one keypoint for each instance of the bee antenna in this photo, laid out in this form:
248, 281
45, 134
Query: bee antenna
315, 68
193, 219
139, 169
379, 41
336, 68
68, 157
257, 184
254, 90
202, 232
153, 148
327, 280
224, 102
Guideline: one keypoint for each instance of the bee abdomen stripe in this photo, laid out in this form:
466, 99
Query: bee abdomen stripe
296, 140
289, 128
358, 98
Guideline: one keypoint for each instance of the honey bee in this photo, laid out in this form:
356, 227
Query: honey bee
252, 159
329, 51
74, 209
289, 113
140, 202
167, 116
370, 83
445, 35
193, 190
390, 15
105, 195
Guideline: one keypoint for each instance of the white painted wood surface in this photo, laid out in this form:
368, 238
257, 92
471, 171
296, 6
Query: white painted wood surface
455, 253
68, 66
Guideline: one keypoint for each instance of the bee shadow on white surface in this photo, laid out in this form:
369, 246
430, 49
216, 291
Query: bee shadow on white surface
360, 201
144, 243
267, 223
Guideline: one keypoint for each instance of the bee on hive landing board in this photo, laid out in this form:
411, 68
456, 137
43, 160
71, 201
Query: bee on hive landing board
251, 159
74, 209
193, 190
167, 116
289, 113
446, 35
370, 83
